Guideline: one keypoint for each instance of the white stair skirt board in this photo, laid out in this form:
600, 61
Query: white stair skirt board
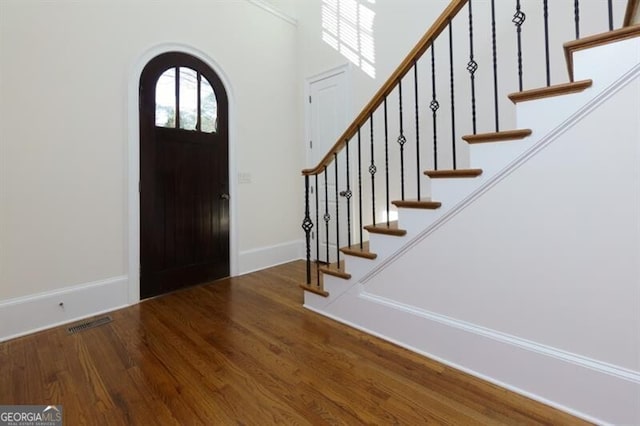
24, 315
573, 381
265, 257
536, 371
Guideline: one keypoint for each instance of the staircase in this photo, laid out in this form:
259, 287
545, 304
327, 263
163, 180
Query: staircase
468, 273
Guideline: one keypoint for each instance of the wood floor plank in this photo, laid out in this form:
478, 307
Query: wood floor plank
245, 351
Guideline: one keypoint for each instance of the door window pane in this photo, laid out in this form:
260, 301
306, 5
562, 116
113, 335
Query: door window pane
188, 98
209, 108
189, 105
166, 99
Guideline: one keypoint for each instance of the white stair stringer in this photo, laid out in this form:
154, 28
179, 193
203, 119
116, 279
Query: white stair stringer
597, 384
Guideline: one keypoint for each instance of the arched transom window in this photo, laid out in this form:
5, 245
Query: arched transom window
185, 100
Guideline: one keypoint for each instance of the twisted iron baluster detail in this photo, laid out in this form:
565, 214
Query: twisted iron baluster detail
518, 19
348, 194
576, 13
545, 8
360, 186
386, 158
401, 141
434, 106
327, 216
610, 5
372, 171
417, 109
472, 67
335, 160
317, 236
495, 64
307, 226
453, 103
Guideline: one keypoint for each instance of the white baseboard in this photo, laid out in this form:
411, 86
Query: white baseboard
266, 257
592, 390
29, 314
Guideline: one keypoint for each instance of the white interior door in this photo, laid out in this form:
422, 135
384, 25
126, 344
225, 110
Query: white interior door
327, 116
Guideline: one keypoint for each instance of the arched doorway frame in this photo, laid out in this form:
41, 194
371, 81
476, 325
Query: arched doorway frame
133, 160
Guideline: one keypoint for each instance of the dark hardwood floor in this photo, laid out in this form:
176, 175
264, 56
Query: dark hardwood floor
244, 351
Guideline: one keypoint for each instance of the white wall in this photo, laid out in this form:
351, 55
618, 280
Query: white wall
398, 25
64, 73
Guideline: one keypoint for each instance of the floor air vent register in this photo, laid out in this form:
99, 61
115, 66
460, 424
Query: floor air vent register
86, 325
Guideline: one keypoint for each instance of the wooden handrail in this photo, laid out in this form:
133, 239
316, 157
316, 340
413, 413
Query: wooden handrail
632, 9
405, 66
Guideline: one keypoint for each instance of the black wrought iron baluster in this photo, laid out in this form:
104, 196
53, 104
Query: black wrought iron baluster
576, 15
307, 226
360, 188
327, 216
434, 105
317, 236
401, 141
335, 161
518, 20
417, 109
545, 7
453, 97
348, 194
610, 5
495, 64
386, 158
372, 172
472, 67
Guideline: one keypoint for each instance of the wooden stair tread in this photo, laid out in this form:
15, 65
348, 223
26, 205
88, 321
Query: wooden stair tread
504, 135
458, 173
382, 228
555, 90
336, 270
356, 250
314, 289
597, 40
417, 204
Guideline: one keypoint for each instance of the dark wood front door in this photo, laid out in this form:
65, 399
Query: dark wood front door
184, 188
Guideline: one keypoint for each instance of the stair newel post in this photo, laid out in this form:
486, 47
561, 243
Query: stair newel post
386, 159
495, 64
307, 226
518, 19
372, 172
545, 13
472, 67
576, 17
348, 194
327, 216
434, 105
610, 9
453, 97
360, 187
401, 140
335, 161
417, 117
317, 236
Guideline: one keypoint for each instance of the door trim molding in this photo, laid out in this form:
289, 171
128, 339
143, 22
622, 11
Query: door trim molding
133, 159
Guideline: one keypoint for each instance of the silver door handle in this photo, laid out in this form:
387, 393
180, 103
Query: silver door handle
224, 196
